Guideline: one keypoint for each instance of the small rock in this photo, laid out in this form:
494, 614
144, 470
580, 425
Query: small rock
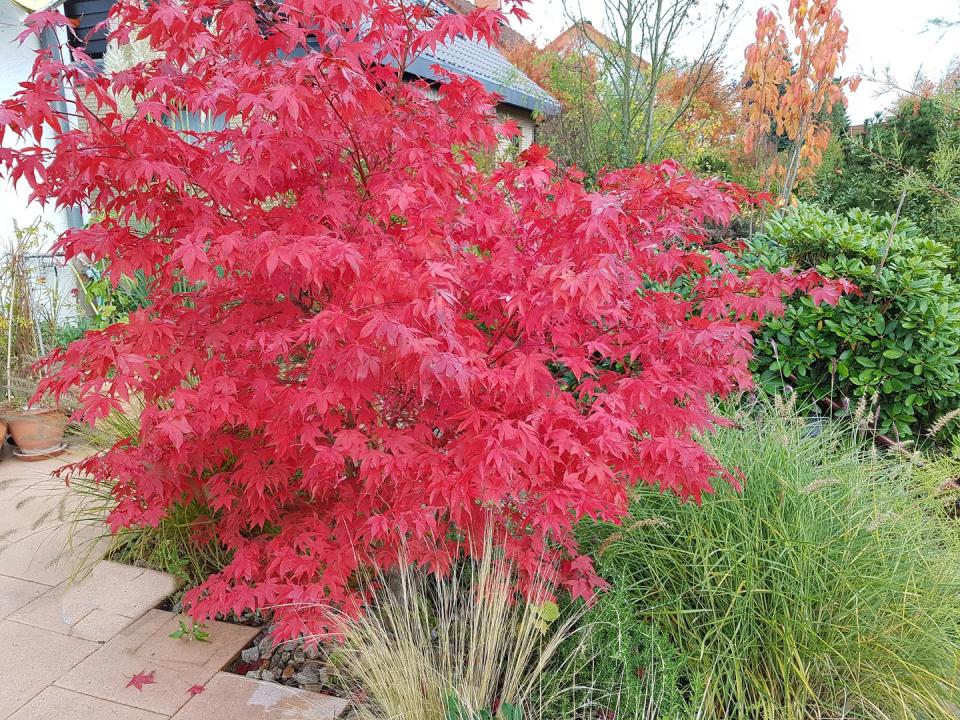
255, 674
250, 655
267, 675
290, 645
306, 677
265, 646
312, 652
299, 657
287, 672
313, 687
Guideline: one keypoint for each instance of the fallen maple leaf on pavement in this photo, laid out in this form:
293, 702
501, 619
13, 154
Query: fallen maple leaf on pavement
140, 679
196, 689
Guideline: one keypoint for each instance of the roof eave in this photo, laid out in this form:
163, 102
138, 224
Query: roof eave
423, 68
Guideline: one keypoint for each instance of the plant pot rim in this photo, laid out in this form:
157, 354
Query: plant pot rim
31, 412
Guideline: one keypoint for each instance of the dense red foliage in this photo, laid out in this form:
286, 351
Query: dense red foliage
380, 344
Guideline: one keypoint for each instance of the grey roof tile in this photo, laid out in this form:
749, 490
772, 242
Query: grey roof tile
488, 65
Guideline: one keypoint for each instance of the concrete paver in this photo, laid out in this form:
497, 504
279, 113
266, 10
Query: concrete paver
240, 698
58, 704
15, 593
30, 499
101, 604
34, 659
146, 646
73, 642
52, 555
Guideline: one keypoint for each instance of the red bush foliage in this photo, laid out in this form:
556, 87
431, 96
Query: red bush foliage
378, 343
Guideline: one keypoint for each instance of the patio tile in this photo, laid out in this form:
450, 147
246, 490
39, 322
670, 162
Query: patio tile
58, 704
101, 604
15, 593
240, 698
146, 646
50, 556
33, 659
28, 502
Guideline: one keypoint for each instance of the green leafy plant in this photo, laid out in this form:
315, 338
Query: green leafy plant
111, 302
827, 588
457, 711
617, 664
911, 156
195, 631
894, 346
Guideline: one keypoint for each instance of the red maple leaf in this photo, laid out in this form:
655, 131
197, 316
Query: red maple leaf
140, 679
195, 690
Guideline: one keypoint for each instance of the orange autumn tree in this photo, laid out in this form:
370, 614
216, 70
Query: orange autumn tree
792, 92
709, 128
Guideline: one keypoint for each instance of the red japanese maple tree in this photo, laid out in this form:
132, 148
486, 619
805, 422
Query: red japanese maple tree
357, 340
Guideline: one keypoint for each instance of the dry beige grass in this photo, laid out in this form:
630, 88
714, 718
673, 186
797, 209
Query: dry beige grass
464, 641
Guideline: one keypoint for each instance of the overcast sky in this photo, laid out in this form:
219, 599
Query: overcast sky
883, 34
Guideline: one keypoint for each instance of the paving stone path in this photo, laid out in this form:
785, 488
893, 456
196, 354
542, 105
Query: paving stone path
94, 647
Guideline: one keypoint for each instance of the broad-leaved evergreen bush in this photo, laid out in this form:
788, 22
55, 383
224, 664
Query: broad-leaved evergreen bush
894, 346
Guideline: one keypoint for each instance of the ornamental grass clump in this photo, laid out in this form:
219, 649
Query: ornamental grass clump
181, 543
828, 588
459, 647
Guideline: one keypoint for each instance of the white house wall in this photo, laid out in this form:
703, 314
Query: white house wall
16, 60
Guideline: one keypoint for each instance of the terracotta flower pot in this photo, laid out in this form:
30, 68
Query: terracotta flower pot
37, 430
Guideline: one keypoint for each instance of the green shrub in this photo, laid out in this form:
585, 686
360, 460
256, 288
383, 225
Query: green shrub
895, 345
113, 303
916, 149
618, 665
827, 589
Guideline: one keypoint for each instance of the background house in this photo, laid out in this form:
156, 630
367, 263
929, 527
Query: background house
50, 280
583, 38
521, 98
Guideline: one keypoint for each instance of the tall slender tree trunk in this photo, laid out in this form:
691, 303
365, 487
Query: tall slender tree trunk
793, 168
654, 79
626, 99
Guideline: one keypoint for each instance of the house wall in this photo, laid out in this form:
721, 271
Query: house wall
52, 282
524, 119
16, 60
